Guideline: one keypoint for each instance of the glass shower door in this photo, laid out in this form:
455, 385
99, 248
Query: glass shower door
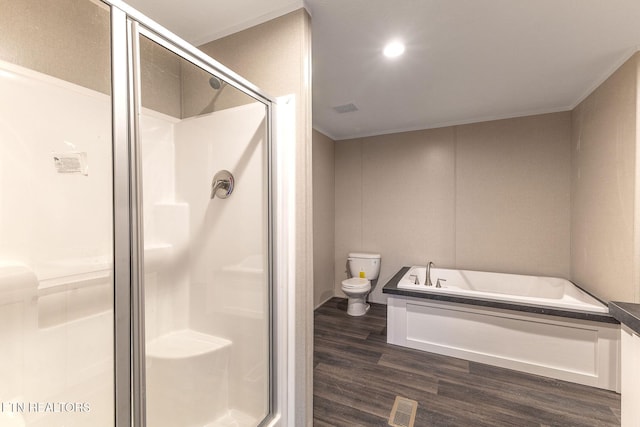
56, 215
203, 176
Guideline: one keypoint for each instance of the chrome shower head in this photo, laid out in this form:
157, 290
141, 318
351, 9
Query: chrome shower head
215, 83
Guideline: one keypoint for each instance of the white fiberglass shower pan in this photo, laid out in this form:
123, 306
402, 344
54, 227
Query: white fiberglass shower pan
135, 288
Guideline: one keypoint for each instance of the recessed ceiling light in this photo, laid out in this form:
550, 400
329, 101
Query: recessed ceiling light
393, 49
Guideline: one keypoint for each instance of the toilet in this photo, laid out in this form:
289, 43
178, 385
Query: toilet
363, 268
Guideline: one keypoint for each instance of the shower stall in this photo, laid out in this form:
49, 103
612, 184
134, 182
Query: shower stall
137, 227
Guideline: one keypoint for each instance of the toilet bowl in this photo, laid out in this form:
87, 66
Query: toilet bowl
356, 289
363, 268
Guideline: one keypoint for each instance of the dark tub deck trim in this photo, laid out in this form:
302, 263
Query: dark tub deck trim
626, 313
391, 287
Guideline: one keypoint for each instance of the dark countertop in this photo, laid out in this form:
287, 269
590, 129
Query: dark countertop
626, 313
391, 287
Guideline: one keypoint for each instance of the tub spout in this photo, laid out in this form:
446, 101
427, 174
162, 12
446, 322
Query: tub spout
428, 281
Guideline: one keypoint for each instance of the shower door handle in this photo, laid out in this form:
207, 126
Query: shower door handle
222, 184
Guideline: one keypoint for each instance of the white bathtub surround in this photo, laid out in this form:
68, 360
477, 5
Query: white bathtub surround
574, 350
571, 349
535, 290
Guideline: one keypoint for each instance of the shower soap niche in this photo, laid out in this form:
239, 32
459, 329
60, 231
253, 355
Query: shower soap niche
187, 379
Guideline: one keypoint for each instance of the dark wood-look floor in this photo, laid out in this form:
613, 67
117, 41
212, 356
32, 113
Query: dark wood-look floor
357, 376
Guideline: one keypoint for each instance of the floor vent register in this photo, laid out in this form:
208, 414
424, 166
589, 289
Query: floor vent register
403, 413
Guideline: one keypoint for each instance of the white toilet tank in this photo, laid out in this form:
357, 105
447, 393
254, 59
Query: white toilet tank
368, 263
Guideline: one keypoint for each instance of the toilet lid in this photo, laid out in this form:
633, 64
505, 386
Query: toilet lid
355, 282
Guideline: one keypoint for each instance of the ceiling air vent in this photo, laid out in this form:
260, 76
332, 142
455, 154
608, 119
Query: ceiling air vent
346, 108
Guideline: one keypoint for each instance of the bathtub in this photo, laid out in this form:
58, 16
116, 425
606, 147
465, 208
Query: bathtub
535, 290
539, 325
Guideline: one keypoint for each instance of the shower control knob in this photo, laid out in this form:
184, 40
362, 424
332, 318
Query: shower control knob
222, 184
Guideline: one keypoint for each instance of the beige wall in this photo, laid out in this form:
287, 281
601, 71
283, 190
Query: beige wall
394, 196
553, 194
491, 196
276, 56
71, 40
513, 195
323, 217
200, 98
603, 187
160, 78
67, 39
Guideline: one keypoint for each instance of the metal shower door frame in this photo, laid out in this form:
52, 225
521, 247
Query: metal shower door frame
127, 25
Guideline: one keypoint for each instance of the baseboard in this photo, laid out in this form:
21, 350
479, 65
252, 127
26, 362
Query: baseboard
323, 302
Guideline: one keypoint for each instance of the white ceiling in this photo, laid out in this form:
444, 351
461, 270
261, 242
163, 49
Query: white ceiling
466, 60
201, 21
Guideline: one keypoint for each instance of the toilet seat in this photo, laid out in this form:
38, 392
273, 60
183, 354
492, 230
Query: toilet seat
356, 284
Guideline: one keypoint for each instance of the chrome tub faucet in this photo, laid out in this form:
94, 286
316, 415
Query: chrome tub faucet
428, 281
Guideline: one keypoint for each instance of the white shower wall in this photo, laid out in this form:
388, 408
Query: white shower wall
40, 118
212, 275
204, 259
166, 228
228, 278
56, 323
